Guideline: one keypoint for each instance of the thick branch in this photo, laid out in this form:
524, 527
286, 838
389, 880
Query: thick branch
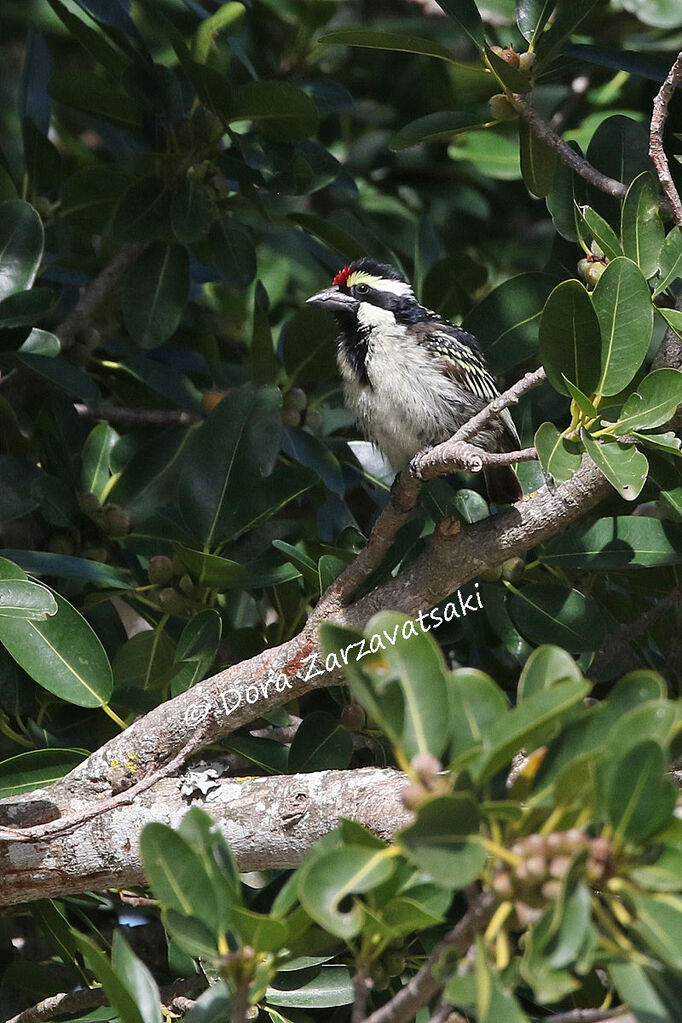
656, 148
81, 1001
269, 822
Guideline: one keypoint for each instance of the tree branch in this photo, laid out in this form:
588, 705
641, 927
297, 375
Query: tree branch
96, 292
270, 823
656, 149
120, 416
79, 1001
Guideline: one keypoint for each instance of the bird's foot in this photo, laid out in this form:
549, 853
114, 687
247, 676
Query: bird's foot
418, 463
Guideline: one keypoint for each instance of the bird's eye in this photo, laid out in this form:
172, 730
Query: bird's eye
361, 289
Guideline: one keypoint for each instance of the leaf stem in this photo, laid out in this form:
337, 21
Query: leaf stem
114, 716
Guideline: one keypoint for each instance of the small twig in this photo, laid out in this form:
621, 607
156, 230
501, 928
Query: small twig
590, 1016
421, 988
240, 1001
361, 988
446, 1014
119, 416
95, 293
656, 150
92, 998
544, 131
609, 660
443, 458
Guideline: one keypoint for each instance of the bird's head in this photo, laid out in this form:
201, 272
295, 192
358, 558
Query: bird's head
368, 292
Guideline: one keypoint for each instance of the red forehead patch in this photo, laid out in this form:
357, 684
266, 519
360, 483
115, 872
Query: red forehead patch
342, 276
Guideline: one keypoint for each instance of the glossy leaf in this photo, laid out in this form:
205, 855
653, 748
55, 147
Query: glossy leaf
623, 306
441, 125
119, 995
26, 600
320, 744
21, 246
232, 252
36, 769
327, 879
546, 613
67, 566
570, 338
546, 665
670, 261
63, 654
176, 874
538, 162
624, 466
507, 320
532, 17
279, 108
377, 40
465, 13
328, 987
443, 840
96, 456
559, 457
640, 798
623, 541
641, 226
654, 402
155, 293
602, 232
509, 77
137, 978
191, 212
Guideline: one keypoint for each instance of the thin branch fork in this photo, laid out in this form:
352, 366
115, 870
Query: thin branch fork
656, 148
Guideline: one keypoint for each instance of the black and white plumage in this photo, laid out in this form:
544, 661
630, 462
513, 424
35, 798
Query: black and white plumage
411, 377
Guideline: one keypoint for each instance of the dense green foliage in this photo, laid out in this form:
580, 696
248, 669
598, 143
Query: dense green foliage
182, 451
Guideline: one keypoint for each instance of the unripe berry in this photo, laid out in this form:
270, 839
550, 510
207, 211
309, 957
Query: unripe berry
426, 767
116, 521
89, 503
501, 884
95, 553
394, 963
61, 543
42, 206
559, 865
536, 867
551, 890
500, 108
291, 416
170, 600
526, 61
513, 569
594, 272
186, 585
313, 419
296, 398
583, 267
412, 797
353, 717
160, 570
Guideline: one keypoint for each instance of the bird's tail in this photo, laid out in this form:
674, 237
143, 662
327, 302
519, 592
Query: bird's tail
502, 484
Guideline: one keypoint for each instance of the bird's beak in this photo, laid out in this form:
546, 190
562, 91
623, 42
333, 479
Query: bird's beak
334, 300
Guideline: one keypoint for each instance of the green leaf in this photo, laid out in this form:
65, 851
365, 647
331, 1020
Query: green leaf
27, 600
37, 769
143, 661
63, 654
639, 798
532, 16
654, 402
333, 236
281, 111
328, 987
232, 252
320, 744
137, 978
443, 841
528, 722
664, 875
177, 875
568, 17
538, 162
659, 924
494, 153
507, 320
237, 443
191, 935
191, 211
624, 466
441, 125
622, 302
559, 457
546, 613
271, 757
670, 261
155, 294
546, 666
94, 94
259, 930
21, 246
475, 703
565, 198
224, 19
376, 40
465, 13
581, 399
624, 541
509, 77
89, 196
450, 283
494, 1002
603, 234
326, 879
96, 455
66, 566
115, 986
641, 226
23, 309
673, 318
68, 378
570, 338
143, 213
638, 990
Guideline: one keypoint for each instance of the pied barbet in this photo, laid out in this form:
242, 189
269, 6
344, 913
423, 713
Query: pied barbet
410, 377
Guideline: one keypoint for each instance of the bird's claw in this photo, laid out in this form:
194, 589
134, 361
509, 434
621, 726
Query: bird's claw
418, 462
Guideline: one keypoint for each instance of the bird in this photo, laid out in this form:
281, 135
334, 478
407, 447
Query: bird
411, 377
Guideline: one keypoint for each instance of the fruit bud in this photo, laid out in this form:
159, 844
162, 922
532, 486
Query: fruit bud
160, 570
551, 890
291, 416
583, 267
501, 884
507, 54
513, 569
594, 272
186, 585
61, 543
313, 419
89, 503
96, 554
116, 521
170, 600
536, 867
296, 398
559, 865
500, 108
412, 797
426, 767
394, 963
